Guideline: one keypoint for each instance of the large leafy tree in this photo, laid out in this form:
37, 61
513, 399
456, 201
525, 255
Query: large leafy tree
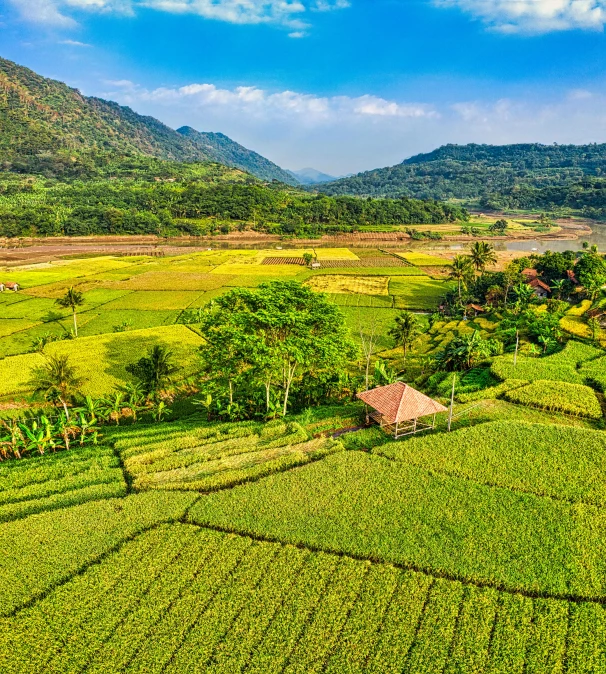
405, 330
72, 300
591, 272
482, 254
155, 370
273, 335
57, 381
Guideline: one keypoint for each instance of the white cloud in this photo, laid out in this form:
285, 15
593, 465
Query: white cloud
260, 104
343, 134
46, 12
534, 16
292, 14
74, 43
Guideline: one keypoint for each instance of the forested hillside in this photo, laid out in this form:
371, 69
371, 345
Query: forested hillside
472, 172
47, 127
194, 199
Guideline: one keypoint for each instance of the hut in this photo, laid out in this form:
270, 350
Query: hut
10, 286
473, 309
398, 408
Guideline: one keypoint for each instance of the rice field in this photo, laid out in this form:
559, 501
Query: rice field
101, 360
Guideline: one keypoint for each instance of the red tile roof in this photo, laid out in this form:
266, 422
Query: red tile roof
400, 402
530, 273
536, 282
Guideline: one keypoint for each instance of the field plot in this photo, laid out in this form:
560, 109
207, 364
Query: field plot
547, 460
158, 300
359, 285
564, 366
416, 293
426, 260
194, 456
358, 300
208, 601
347, 503
171, 280
42, 550
102, 359
574, 399
46, 482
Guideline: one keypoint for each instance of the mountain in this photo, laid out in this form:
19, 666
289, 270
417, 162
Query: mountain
48, 127
226, 151
311, 176
473, 171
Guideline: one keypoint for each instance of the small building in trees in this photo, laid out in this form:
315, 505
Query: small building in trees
399, 408
474, 309
541, 289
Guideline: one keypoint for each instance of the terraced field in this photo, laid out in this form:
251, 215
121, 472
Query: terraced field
354, 562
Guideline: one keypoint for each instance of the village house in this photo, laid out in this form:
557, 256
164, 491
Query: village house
540, 288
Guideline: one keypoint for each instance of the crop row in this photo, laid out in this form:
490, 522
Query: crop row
44, 549
71, 478
547, 460
180, 599
559, 396
210, 458
447, 524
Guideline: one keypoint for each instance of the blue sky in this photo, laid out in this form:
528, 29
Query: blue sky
340, 85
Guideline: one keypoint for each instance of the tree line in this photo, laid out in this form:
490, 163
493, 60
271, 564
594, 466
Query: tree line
200, 208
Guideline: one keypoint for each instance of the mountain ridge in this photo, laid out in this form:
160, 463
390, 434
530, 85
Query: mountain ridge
48, 127
474, 171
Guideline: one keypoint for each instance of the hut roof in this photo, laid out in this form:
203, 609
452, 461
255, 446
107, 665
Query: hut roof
475, 307
530, 273
400, 402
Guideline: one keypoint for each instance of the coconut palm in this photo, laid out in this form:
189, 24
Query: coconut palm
57, 380
72, 300
405, 330
482, 254
461, 271
154, 370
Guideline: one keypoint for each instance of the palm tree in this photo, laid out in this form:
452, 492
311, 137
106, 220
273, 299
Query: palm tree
461, 271
57, 380
482, 254
154, 370
405, 330
72, 300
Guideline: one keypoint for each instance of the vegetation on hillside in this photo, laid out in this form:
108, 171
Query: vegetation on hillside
49, 128
197, 200
525, 176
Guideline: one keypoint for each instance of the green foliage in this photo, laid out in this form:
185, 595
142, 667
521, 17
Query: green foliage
201, 207
50, 128
530, 176
558, 396
154, 371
